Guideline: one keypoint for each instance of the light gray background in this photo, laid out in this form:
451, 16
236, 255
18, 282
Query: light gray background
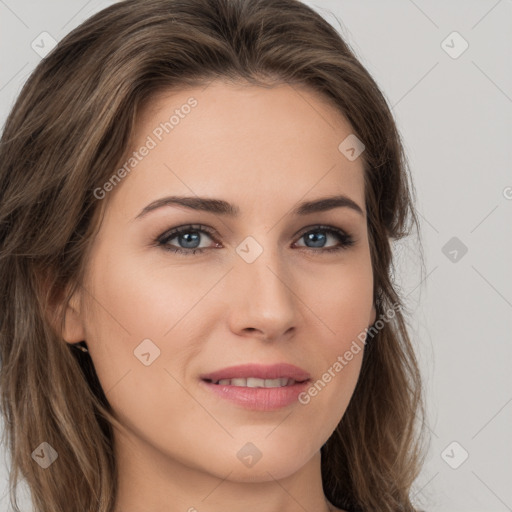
455, 117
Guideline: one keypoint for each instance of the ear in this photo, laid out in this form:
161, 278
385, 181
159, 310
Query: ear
65, 318
73, 330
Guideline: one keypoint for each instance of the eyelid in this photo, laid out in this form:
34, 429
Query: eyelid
319, 227
171, 233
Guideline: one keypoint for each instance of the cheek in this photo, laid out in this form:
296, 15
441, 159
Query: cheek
342, 303
150, 300
341, 299
131, 310
131, 302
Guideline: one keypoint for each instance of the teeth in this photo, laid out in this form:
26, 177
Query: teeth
253, 382
273, 383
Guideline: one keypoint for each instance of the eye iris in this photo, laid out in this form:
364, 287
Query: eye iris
191, 237
313, 237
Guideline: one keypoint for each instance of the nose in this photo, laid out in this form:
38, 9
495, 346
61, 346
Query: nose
264, 304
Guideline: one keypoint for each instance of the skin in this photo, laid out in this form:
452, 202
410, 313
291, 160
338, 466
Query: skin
264, 149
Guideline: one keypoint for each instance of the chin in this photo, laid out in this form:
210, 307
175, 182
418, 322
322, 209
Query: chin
268, 464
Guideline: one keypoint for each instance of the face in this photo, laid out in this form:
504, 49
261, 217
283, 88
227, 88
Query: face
266, 281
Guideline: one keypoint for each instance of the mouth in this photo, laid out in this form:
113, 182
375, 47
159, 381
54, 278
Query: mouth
258, 387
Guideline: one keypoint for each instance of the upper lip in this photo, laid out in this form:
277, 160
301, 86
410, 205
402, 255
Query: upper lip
259, 371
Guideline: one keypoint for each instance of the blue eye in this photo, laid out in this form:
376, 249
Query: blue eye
311, 236
187, 235
189, 238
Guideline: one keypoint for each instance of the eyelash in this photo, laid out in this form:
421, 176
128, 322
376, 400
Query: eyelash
345, 239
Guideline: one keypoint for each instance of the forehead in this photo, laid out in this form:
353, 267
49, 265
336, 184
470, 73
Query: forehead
241, 142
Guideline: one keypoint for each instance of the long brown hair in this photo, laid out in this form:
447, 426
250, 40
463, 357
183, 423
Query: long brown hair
66, 134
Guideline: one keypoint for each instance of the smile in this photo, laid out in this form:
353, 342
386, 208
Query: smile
254, 382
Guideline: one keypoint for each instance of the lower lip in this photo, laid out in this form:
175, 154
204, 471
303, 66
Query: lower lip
259, 399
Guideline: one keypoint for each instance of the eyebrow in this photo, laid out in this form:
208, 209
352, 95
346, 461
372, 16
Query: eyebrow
221, 207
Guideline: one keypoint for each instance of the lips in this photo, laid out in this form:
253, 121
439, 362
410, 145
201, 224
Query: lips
258, 371
257, 387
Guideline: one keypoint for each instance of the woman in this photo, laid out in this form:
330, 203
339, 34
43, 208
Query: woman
198, 201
